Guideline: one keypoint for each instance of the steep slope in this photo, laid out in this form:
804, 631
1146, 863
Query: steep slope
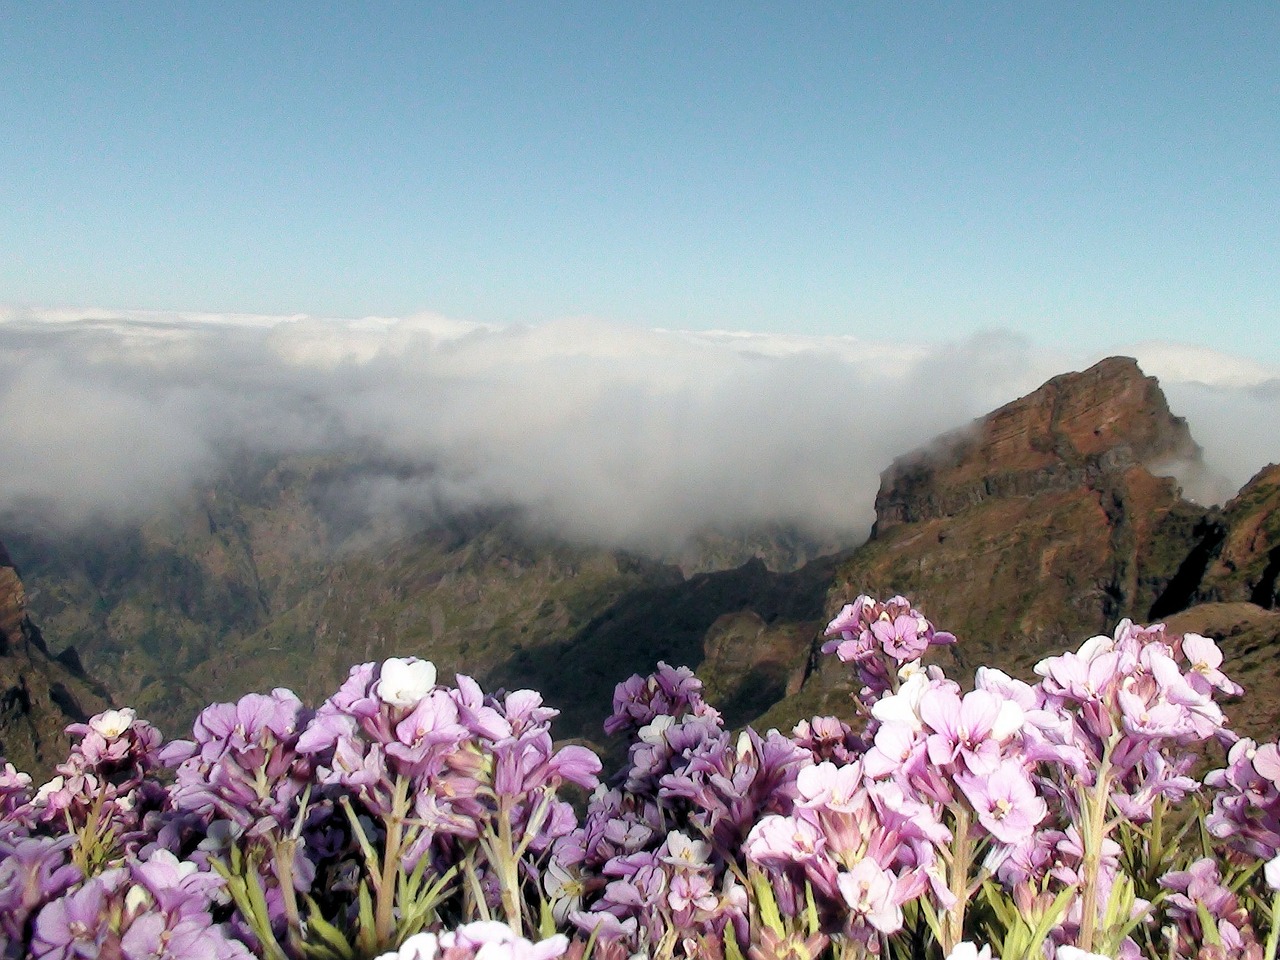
39, 694
1043, 523
746, 632
1249, 638
470, 596
1247, 565
237, 590
147, 604
274, 576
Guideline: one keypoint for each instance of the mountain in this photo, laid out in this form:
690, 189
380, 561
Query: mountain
1052, 518
272, 576
39, 694
1243, 549
1046, 521
1040, 524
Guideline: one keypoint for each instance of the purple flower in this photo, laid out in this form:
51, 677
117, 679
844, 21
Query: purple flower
33, 871
669, 691
77, 924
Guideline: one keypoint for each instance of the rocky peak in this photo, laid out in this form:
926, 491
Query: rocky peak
1063, 436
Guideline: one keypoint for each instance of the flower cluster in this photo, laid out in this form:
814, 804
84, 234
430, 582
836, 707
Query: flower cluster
1246, 804
409, 819
482, 940
105, 788
880, 638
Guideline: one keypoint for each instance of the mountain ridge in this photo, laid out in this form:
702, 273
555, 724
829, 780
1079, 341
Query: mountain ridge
1040, 524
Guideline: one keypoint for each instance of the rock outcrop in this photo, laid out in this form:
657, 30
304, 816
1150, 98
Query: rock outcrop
1041, 524
39, 694
1075, 432
1246, 565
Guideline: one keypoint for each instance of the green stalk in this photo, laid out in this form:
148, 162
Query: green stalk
958, 879
1273, 936
384, 918
1092, 834
284, 851
508, 869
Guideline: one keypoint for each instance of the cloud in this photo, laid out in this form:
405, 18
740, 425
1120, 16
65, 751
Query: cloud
614, 434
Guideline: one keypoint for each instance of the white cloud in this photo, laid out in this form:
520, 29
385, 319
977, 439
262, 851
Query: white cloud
620, 434
1184, 363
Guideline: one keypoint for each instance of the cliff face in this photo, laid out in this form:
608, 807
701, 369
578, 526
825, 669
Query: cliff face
1246, 564
39, 694
1041, 524
1078, 431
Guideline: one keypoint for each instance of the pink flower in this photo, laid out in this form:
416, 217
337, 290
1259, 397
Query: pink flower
868, 891
1006, 801
1205, 659
970, 729
777, 839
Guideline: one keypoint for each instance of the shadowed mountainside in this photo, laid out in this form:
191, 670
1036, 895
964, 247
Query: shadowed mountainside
39, 694
262, 580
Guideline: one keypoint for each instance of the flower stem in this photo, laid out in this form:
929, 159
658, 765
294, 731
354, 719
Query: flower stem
1273, 937
384, 917
284, 851
1093, 832
958, 879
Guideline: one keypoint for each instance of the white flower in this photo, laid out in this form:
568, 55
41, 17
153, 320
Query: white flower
48, 789
564, 889
421, 946
1008, 721
1066, 952
903, 707
136, 899
1091, 649
111, 723
653, 732
683, 851
404, 682
1272, 872
967, 951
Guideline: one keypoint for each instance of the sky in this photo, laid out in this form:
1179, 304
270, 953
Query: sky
1082, 173
631, 267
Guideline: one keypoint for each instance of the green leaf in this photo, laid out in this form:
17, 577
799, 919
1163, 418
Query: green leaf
335, 942
366, 929
766, 903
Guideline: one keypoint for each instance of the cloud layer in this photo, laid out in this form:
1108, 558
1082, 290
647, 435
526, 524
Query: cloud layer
618, 435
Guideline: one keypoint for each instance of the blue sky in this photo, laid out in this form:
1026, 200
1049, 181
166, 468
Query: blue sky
1087, 173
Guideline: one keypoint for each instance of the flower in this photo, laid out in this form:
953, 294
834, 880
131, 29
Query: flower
1272, 872
1066, 952
111, 723
869, 893
1006, 801
403, 682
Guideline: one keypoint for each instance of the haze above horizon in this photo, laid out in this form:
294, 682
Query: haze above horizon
1092, 176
